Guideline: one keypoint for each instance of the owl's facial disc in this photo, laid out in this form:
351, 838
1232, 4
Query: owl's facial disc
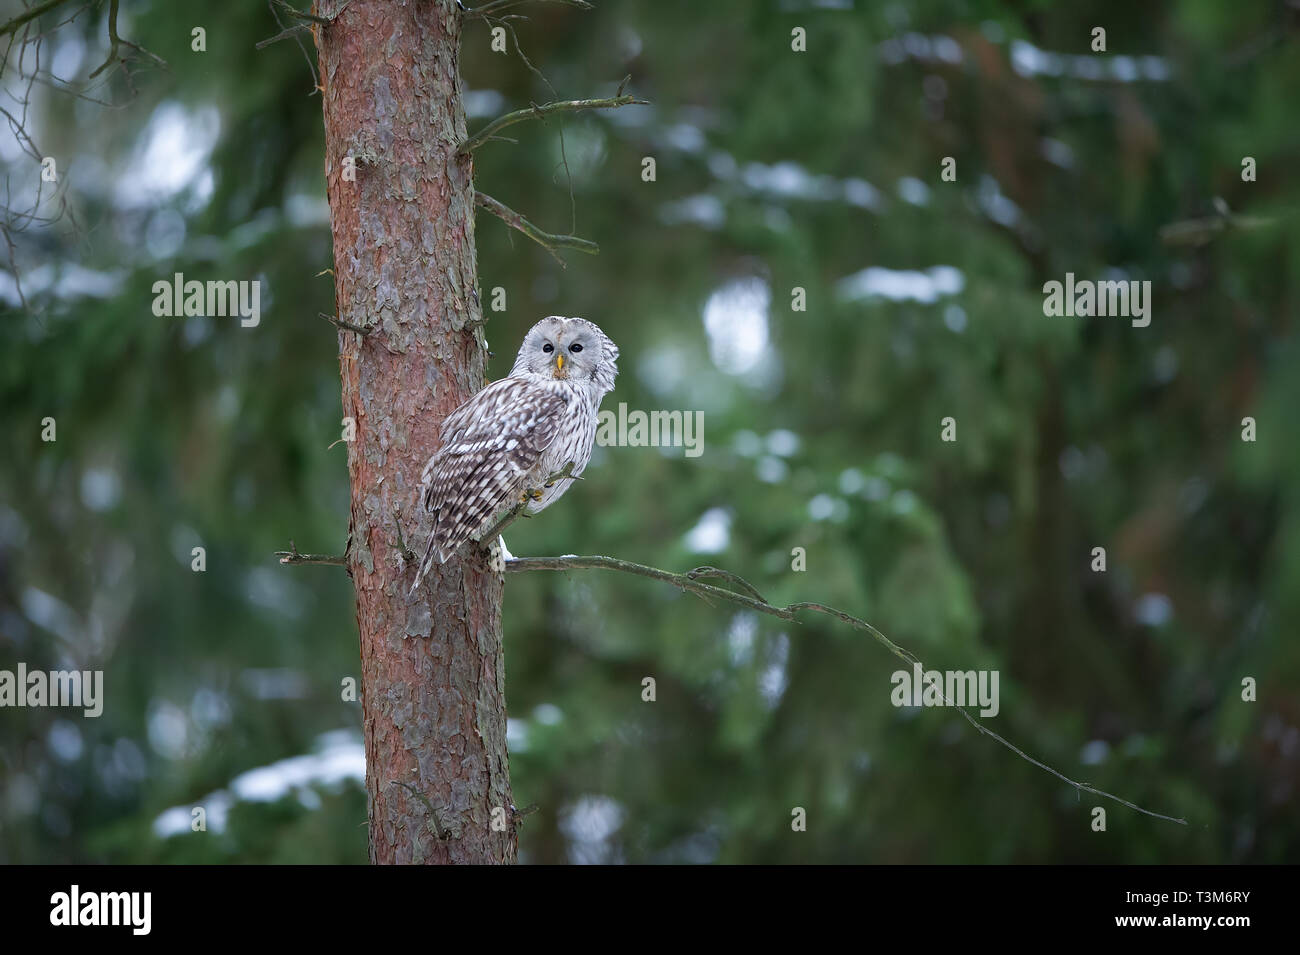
568, 349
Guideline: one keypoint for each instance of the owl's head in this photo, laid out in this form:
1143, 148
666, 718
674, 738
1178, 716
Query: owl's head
572, 348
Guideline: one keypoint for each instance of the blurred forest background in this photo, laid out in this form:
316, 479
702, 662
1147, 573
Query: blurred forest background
775, 169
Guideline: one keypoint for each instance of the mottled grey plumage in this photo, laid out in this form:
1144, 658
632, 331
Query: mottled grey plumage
515, 433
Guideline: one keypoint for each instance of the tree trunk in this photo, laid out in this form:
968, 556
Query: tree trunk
433, 677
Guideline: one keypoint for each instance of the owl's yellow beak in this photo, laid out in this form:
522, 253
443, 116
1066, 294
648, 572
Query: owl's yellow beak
559, 367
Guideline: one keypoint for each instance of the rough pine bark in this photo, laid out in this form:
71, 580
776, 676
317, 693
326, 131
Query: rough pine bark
433, 691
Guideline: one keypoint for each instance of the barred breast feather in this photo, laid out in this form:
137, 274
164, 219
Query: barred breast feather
492, 448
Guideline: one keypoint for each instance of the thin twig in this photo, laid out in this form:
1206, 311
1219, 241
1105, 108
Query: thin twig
1200, 231
545, 239
286, 34
291, 556
546, 109
434, 824
311, 67
114, 41
691, 583
494, 5
705, 572
504, 22
28, 15
302, 14
339, 323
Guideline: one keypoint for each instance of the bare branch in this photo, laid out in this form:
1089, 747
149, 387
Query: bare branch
303, 14
291, 556
297, 39
540, 112
691, 582
545, 239
504, 23
339, 323
495, 6
293, 31
29, 15
301, 28
435, 826
115, 41
705, 572
1200, 231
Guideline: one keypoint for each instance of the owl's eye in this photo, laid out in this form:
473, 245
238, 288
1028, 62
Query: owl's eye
548, 348
575, 348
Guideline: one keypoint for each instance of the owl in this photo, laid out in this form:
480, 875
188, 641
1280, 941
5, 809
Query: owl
498, 449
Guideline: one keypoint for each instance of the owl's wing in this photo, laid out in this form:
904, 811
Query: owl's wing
488, 445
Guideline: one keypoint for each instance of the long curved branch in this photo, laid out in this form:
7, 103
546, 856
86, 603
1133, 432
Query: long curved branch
753, 600
540, 112
546, 240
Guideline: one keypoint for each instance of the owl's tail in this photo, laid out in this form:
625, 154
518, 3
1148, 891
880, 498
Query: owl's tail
445, 538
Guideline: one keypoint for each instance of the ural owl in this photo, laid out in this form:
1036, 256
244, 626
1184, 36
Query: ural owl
498, 449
